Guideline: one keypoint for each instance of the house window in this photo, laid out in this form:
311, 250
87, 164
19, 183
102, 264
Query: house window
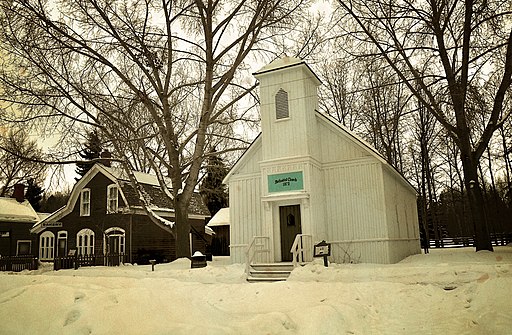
114, 241
85, 202
112, 196
23, 247
85, 242
46, 246
62, 243
282, 111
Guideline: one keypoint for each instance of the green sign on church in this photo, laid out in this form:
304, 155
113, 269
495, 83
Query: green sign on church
282, 182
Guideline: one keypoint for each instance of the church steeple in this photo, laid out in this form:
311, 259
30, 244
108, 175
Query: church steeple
288, 93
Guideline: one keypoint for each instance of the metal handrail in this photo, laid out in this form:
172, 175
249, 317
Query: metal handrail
302, 249
258, 245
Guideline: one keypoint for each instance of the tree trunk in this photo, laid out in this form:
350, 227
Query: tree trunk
182, 228
476, 202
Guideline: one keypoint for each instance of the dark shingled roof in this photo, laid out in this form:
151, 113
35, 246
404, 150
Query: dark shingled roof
160, 200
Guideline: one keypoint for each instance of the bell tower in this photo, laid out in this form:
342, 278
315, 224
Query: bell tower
288, 93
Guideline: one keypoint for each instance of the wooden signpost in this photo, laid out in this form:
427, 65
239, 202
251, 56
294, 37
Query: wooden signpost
322, 249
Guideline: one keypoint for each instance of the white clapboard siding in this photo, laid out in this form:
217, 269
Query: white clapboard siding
354, 201
245, 214
351, 196
336, 146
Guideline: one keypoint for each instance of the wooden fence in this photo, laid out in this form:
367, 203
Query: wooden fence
468, 241
74, 262
18, 263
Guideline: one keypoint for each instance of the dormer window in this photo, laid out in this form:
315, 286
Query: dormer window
282, 111
85, 202
112, 196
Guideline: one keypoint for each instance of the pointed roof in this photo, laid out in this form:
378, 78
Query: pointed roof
159, 200
331, 122
285, 63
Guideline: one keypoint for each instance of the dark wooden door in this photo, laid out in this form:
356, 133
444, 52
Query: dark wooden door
62, 252
113, 242
289, 218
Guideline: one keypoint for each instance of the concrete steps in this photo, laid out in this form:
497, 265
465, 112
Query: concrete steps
270, 272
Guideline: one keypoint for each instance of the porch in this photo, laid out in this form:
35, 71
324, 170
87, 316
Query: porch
260, 265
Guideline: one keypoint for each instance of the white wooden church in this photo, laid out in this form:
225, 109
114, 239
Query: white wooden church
306, 179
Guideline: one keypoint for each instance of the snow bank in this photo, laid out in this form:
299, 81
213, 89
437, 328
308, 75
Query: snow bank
444, 292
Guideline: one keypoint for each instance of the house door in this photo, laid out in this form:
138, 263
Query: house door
289, 218
115, 246
61, 247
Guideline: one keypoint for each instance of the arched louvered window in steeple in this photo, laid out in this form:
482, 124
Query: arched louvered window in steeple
282, 111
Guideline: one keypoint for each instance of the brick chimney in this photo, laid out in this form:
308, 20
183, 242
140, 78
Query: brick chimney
19, 192
105, 158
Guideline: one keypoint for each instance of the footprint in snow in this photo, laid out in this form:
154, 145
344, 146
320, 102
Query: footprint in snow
72, 317
79, 296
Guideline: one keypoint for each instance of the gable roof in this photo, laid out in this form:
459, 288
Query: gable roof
160, 202
13, 211
332, 122
336, 126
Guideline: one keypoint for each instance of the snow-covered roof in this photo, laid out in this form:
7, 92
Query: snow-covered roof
141, 177
159, 201
221, 218
13, 211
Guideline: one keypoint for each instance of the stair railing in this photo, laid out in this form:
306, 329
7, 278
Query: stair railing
260, 245
302, 249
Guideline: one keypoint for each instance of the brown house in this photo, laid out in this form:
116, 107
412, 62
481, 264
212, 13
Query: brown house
16, 218
104, 216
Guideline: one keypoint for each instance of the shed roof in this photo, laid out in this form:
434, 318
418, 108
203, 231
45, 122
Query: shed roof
221, 218
13, 211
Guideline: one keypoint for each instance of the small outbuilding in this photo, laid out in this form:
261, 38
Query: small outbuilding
219, 223
307, 178
16, 218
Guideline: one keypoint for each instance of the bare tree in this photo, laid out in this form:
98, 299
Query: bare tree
444, 50
166, 73
341, 95
385, 103
17, 160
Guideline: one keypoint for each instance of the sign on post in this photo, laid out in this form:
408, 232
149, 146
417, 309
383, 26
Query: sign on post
322, 249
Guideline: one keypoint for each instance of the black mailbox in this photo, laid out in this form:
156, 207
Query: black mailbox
152, 262
198, 260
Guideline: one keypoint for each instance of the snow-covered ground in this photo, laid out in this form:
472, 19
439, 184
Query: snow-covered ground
453, 291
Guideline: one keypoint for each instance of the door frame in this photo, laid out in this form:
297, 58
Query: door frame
291, 233
276, 224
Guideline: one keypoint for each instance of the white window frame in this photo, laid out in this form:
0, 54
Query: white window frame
85, 202
115, 231
85, 242
47, 246
112, 199
18, 247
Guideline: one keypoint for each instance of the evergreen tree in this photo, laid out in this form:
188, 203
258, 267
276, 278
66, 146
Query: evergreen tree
212, 189
92, 149
54, 202
34, 194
